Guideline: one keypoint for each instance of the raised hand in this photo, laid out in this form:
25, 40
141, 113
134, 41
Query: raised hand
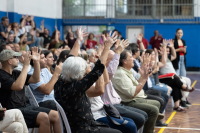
100, 50
146, 58
42, 22
9, 28
139, 38
165, 42
144, 71
80, 33
27, 58
110, 40
32, 32
171, 43
58, 68
35, 55
156, 52
70, 29
123, 44
32, 17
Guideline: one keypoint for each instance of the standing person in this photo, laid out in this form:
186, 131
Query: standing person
180, 62
144, 41
90, 43
70, 39
156, 40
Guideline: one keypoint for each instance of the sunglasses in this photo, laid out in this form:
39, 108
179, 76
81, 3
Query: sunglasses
16, 57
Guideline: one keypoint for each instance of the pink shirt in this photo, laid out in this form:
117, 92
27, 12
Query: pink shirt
110, 95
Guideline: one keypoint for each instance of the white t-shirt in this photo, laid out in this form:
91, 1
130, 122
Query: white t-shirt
168, 68
97, 107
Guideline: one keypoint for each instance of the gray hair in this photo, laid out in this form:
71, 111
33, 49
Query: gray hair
90, 51
73, 69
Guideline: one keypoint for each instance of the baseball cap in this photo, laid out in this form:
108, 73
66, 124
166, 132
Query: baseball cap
8, 54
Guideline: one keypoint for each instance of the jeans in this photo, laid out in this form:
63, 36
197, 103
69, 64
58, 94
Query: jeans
108, 130
130, 127
181, 65
151, 107
137, 115
160, 87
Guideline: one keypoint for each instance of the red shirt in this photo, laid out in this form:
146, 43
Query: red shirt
144, 41
180, 52
91, 44
156, 42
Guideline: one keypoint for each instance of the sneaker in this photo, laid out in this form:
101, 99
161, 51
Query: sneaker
183, 104
188, 103
160, 116
180, 109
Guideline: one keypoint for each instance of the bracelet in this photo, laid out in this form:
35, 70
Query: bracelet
141, 84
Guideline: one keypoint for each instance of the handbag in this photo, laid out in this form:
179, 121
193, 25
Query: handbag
111, 111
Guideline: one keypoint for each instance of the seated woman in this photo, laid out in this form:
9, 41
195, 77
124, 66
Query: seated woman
97, 105
90, 43
50, 60
63, 56
13, 122
74, 82
55, 39
176, 83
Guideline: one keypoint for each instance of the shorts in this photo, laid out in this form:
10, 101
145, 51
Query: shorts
30, 114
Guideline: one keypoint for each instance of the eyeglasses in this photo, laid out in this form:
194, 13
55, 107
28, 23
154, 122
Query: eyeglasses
16, 57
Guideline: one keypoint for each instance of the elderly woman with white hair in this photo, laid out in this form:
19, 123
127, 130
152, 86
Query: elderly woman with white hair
70, 89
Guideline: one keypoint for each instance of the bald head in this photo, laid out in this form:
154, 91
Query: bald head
110, 57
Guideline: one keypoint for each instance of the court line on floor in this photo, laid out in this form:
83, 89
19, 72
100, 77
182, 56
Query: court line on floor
168, 121
194, 83
178, 128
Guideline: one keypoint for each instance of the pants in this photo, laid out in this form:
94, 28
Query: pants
49, 104
181, 65
130, 127
151, 107
186, 81
13, 122
108, 130
137, 115
161, 87
176, 85
163, 98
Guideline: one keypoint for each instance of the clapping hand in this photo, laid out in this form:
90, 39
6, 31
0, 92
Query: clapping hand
27, 58
144, 71
9, 28
58, 68
80, 34
139, 38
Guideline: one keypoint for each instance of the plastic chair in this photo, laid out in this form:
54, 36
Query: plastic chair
62, 116
140, 130
33, 103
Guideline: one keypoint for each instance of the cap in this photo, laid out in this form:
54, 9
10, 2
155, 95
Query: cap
8, 54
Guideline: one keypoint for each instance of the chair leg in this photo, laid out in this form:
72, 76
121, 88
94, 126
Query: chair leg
172, 102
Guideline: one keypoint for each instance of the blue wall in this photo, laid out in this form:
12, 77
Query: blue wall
191, 35
49, 23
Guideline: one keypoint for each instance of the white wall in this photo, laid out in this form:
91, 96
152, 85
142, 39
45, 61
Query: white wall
40, 8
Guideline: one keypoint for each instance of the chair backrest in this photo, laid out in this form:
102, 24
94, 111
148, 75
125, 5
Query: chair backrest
63, 116
32, 99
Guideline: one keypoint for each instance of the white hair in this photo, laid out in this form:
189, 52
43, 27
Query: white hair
90, 51
73, 69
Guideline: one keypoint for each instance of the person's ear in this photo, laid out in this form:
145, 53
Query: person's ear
10, 61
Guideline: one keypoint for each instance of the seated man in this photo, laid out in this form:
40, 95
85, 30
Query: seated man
10, 39
43, 90
12, 92
110, 94
131, 92
13, 122
4, 28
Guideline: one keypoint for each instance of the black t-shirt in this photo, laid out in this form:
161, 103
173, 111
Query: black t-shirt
46, 39
11, 99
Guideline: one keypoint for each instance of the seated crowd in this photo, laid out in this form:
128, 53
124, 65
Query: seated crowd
104, 86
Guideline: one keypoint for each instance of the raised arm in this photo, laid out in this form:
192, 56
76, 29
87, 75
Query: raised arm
23, 21
139, 38
32, 37
163, 53
173, 51
36, 58
80, 35
32, 22
5, 35
47, 88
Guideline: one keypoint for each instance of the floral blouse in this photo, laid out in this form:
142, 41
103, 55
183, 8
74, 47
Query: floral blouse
74, 96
